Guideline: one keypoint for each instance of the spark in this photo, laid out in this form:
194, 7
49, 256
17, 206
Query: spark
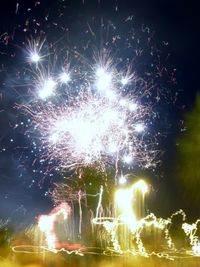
139, 127
47, 89
128, 159
64, 78
133, 107
124, 81
34, 50
122, 180
104, 80
35, 57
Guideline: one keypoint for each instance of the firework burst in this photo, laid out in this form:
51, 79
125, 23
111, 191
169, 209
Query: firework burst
91, 117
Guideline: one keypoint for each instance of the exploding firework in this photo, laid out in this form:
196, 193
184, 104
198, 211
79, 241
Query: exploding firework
95, 117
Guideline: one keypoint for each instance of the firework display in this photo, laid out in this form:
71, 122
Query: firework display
91, 116
89, 112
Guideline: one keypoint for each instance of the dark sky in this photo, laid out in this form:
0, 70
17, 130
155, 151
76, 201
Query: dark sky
174, 21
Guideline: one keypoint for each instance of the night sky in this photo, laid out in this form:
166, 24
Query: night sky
174, 22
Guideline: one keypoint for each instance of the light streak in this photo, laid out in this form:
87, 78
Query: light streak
46, 223
31, 249
127, 217
80, 211
99, 202
124, 200
125, 228
191, 232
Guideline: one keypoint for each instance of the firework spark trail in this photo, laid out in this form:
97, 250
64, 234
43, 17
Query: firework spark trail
80, 212
114, 225
127, 217
99, 202
46, 224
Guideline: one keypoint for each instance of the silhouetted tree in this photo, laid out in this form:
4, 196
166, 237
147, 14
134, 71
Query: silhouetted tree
188, 170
